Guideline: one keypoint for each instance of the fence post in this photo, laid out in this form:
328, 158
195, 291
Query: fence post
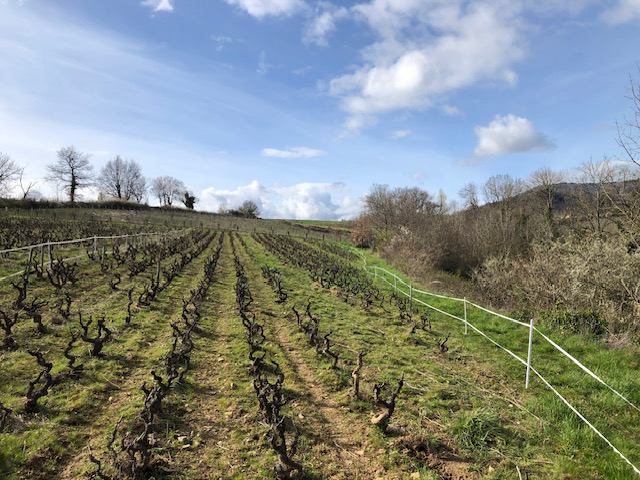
95, 244
529, 354
410, 294
395, 285
465, 316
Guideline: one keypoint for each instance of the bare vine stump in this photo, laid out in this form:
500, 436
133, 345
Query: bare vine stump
356, 375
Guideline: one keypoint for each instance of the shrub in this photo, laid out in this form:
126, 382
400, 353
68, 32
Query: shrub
577, 321
596, 282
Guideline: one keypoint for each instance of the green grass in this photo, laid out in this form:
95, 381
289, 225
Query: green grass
571, 438
469, 402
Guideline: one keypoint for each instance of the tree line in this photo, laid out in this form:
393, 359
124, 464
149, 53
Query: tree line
118, 179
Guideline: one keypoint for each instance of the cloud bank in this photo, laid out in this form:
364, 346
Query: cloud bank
510, 134
426, 50
304, 201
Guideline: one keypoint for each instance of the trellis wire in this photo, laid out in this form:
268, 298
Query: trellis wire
78, 240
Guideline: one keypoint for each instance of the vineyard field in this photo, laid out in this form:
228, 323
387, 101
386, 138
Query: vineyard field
230, 355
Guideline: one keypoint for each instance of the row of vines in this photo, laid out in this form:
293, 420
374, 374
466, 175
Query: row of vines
228, 355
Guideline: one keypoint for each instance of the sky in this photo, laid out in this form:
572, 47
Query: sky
303, 105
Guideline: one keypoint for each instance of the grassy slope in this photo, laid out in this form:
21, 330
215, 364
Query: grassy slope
574, 448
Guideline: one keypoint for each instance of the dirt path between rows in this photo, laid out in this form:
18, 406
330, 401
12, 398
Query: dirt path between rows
335, 433
340, 435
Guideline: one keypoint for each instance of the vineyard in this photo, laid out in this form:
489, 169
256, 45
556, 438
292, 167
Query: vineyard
219, 354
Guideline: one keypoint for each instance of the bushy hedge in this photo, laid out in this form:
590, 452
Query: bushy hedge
599, 280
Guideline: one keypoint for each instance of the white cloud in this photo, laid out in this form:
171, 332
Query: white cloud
296, 152
323, 24
427, 49
159, 5
264, 8
510, 134
304, 201
400, 134
625, 11
452, 111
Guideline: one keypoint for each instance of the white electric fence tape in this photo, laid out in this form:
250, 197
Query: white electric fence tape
524, 362
574, 360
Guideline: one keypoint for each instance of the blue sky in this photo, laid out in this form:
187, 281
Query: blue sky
302, 105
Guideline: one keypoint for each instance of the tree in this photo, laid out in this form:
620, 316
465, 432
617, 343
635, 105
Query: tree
502, 189
378, 205
593, 198
249, 209
122, 179
442, 204
545, 183
167, 189
629, 131
469, 194
9, 171
410, 207
626, 194
72, 171
188, 199
25, 190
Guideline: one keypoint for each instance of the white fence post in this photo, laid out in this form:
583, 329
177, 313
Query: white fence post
529, 354
395, 285
465, 316
410, 294
95, 244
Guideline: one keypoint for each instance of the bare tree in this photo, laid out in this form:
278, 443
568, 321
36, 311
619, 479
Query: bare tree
379, 207
545, 183
629, 131
626, 189
442, 204
410, 207
470, 196
122, 179
624, 195
593, 197
25, 190
72, 171
9, 171
167, 189
249, 209
502, 189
